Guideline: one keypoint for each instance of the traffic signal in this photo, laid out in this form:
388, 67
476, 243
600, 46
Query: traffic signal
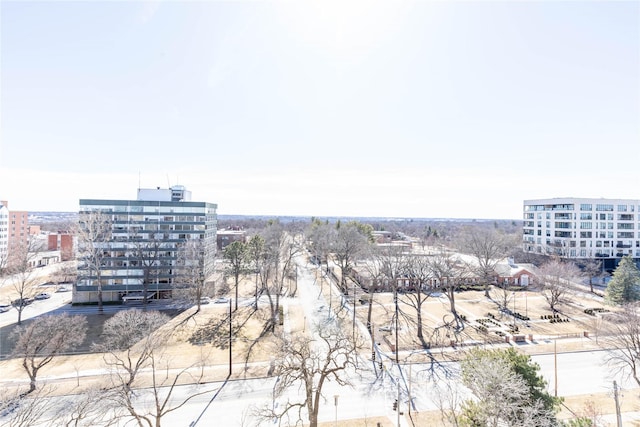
395, 405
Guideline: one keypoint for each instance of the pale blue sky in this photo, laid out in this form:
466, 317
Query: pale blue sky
406, 109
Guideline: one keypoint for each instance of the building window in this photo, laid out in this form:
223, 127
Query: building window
622, 208
604, 207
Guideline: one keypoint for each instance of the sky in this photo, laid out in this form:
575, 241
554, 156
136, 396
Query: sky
423, 109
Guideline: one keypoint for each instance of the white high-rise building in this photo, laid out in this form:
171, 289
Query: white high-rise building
4, 236
581, 228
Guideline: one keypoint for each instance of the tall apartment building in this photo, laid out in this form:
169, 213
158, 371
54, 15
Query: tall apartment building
4, 235
143, 242
581, 228
17, 230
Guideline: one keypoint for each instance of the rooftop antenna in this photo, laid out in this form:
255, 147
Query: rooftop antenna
168, 181
139, 179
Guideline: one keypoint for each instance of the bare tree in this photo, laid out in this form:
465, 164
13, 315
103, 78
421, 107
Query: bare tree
236, 256
502, 395
348, 245
555, 277
23, 278
94, 236
419, 272
391, 260
428, 236
374, 279
256, 257
92, 407
278, 257
4, 261
623, 341
147, 251
44, 338
149, 405
134, 340
502, 295
309, 363
448, 272
191, 272
65, 272
19, 409
128, 340
320, 236
592, 269
488, 246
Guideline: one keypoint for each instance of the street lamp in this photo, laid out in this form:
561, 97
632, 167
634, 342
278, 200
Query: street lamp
395, 297
230, 336
335, 403
354, 313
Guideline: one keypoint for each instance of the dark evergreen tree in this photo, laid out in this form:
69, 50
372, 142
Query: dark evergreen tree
625, 284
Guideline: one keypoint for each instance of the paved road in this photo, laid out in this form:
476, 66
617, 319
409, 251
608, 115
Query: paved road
372, 393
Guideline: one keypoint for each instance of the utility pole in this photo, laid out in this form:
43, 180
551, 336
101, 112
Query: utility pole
514, 310
330, 286
615, 397
555, 367
230, 335
354, 312
409, 403
398, 400
395, 297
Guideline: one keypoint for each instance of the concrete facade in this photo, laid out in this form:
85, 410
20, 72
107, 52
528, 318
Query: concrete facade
583, 228
142, 245
4, 235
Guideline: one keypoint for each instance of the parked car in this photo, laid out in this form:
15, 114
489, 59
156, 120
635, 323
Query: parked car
205, 300
4, 307
221, 300
21, 302
42, 295
64, 288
